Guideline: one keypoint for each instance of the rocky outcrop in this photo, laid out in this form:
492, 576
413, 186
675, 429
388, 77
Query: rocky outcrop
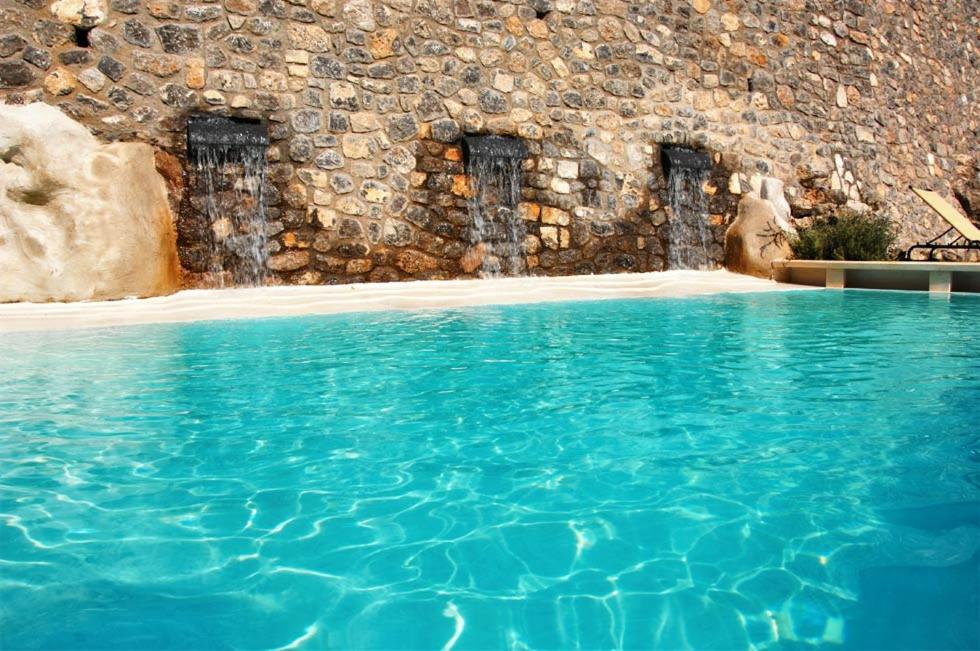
760, 232
79, 219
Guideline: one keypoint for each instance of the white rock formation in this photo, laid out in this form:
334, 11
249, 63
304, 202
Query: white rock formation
82, 13
773, 191
79, 219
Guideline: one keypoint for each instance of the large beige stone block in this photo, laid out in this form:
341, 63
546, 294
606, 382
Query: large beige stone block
755, 238
79, 219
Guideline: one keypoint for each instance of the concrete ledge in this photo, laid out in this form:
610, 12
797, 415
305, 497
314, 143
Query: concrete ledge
936, 277
258, 302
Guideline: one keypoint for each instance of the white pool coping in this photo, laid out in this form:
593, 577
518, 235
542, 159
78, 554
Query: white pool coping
262, 302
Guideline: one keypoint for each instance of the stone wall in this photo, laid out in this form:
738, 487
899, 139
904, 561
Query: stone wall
846, 101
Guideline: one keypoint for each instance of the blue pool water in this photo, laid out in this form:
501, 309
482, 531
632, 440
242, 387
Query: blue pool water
768, 471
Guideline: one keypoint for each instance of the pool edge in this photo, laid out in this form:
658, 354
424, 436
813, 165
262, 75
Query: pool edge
283, 301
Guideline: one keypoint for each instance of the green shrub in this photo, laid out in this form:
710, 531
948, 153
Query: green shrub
847, 236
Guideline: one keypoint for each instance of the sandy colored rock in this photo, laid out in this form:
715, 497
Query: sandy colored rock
413, 262
384, 43
359, 14
244, 7
92, 79
172, 171
60, 82
79, 219
311, 38
461, 186
82, 13
361, 266
289, 261
701, 6
755, 239
473, 258
196, 74
538, 29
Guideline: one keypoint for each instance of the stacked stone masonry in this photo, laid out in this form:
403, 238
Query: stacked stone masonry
848, 102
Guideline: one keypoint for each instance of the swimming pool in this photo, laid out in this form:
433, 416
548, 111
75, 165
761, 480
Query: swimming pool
768, 470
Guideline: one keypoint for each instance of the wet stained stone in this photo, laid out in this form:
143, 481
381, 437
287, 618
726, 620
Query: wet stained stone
92, 79
350, 228
357, 55
178, 96
103, 41
492, 101
139, 84
429, 106
202, 13
240, 44
446, 130
275, 8
163, 10
179, 39
338, 122
382, 71
126, 6
37, 57
120, 98
11, 43
375, 192
409, 85
306, 121
137, 33
217, 32
15, 74
303, 15
344, 96
326, 66
51, 33
214, 57
342, 183
329, 160
402, 127
472, 76
90, 105
111, 68
301, 148
761, 81
261, 26
75, 57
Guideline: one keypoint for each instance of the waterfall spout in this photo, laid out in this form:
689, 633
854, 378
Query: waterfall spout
493, 165
688, 232
229, 160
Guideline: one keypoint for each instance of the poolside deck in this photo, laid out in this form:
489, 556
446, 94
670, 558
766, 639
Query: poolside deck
259, 302
936, 277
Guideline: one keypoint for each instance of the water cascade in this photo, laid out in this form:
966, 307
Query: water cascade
688, 231
229, 162
493, 165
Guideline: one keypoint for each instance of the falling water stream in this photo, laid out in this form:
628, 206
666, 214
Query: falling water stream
689, 235
228, 155
494, 170
234, 203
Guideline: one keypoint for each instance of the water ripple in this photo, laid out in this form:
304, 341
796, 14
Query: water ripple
751, 471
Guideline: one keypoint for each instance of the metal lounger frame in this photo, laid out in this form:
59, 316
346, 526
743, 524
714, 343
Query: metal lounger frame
933, 245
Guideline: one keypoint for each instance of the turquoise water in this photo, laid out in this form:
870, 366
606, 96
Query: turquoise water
768, 471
